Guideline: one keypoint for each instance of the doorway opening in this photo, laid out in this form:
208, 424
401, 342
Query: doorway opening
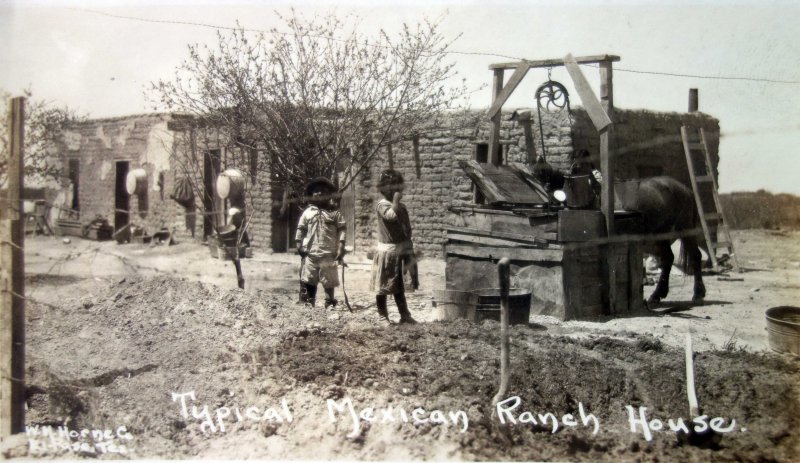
122, 200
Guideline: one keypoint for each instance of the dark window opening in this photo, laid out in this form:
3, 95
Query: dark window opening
482, 152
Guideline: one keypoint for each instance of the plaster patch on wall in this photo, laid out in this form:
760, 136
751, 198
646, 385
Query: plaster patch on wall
159, 148
105, 168
72, 140
100, 134
124, 133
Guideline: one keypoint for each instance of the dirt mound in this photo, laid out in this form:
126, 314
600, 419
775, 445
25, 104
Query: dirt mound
456, 365
195, 370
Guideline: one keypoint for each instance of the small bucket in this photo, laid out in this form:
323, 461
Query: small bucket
519, 304
452, 305
136, 182
578, 188
230, 184
783, 329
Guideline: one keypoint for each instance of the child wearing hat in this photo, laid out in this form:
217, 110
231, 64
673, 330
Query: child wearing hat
320, 240
395, 249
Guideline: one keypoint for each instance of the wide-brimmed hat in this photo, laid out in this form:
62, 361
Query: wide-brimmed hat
320, 182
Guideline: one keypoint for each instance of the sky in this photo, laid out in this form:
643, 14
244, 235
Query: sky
98, 57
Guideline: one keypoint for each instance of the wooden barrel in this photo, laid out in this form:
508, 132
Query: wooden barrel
230, 184
136, 182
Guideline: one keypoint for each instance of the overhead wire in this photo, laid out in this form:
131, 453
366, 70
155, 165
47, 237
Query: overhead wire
451, 52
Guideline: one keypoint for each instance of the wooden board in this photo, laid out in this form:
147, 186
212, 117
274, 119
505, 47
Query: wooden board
532, 239
526, 172
590, 102
509, 88
581, 225
68, 227
501, 184
497, 252
546, 63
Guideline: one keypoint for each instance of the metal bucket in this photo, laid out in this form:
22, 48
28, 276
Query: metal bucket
578, 188
452, 305
136, 182
519, 302
230, 184
783, 329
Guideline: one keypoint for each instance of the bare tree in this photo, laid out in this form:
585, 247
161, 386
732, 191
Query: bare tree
44, 129
318, 99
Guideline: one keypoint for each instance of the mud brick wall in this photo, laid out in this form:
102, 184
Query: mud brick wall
153, 143
145, 142
647, 144
434, 182
259, 203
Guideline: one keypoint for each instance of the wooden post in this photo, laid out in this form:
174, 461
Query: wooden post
607, 191
494, 131
694, 103
606, 143
504, 276
524, 119
390, 155
12, 283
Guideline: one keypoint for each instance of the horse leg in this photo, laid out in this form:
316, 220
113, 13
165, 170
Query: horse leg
665, 258
695, 264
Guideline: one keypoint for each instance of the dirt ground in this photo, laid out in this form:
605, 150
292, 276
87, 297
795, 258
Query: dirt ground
142, 352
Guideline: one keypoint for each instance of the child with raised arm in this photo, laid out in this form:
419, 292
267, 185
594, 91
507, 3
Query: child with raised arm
395, 250
320, 240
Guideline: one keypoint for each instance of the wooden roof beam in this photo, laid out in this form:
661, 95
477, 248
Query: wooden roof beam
554, 62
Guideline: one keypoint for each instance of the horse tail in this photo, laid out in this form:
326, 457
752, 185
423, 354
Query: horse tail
683, 259
696, 240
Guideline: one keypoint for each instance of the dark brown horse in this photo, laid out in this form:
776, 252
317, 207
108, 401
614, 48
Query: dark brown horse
668, 211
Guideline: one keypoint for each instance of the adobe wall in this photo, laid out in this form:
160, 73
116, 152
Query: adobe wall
145, 142
648, 144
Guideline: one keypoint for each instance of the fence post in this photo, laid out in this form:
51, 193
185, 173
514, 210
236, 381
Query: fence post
12, 282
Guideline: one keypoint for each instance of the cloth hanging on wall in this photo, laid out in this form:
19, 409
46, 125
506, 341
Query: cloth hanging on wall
183, 193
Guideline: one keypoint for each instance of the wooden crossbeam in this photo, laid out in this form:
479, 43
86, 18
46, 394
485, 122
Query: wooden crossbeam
554, 62
508, 89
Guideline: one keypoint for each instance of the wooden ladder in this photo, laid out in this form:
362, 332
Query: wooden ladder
712, 218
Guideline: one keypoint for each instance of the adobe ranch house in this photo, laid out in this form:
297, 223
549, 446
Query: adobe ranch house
98, 155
